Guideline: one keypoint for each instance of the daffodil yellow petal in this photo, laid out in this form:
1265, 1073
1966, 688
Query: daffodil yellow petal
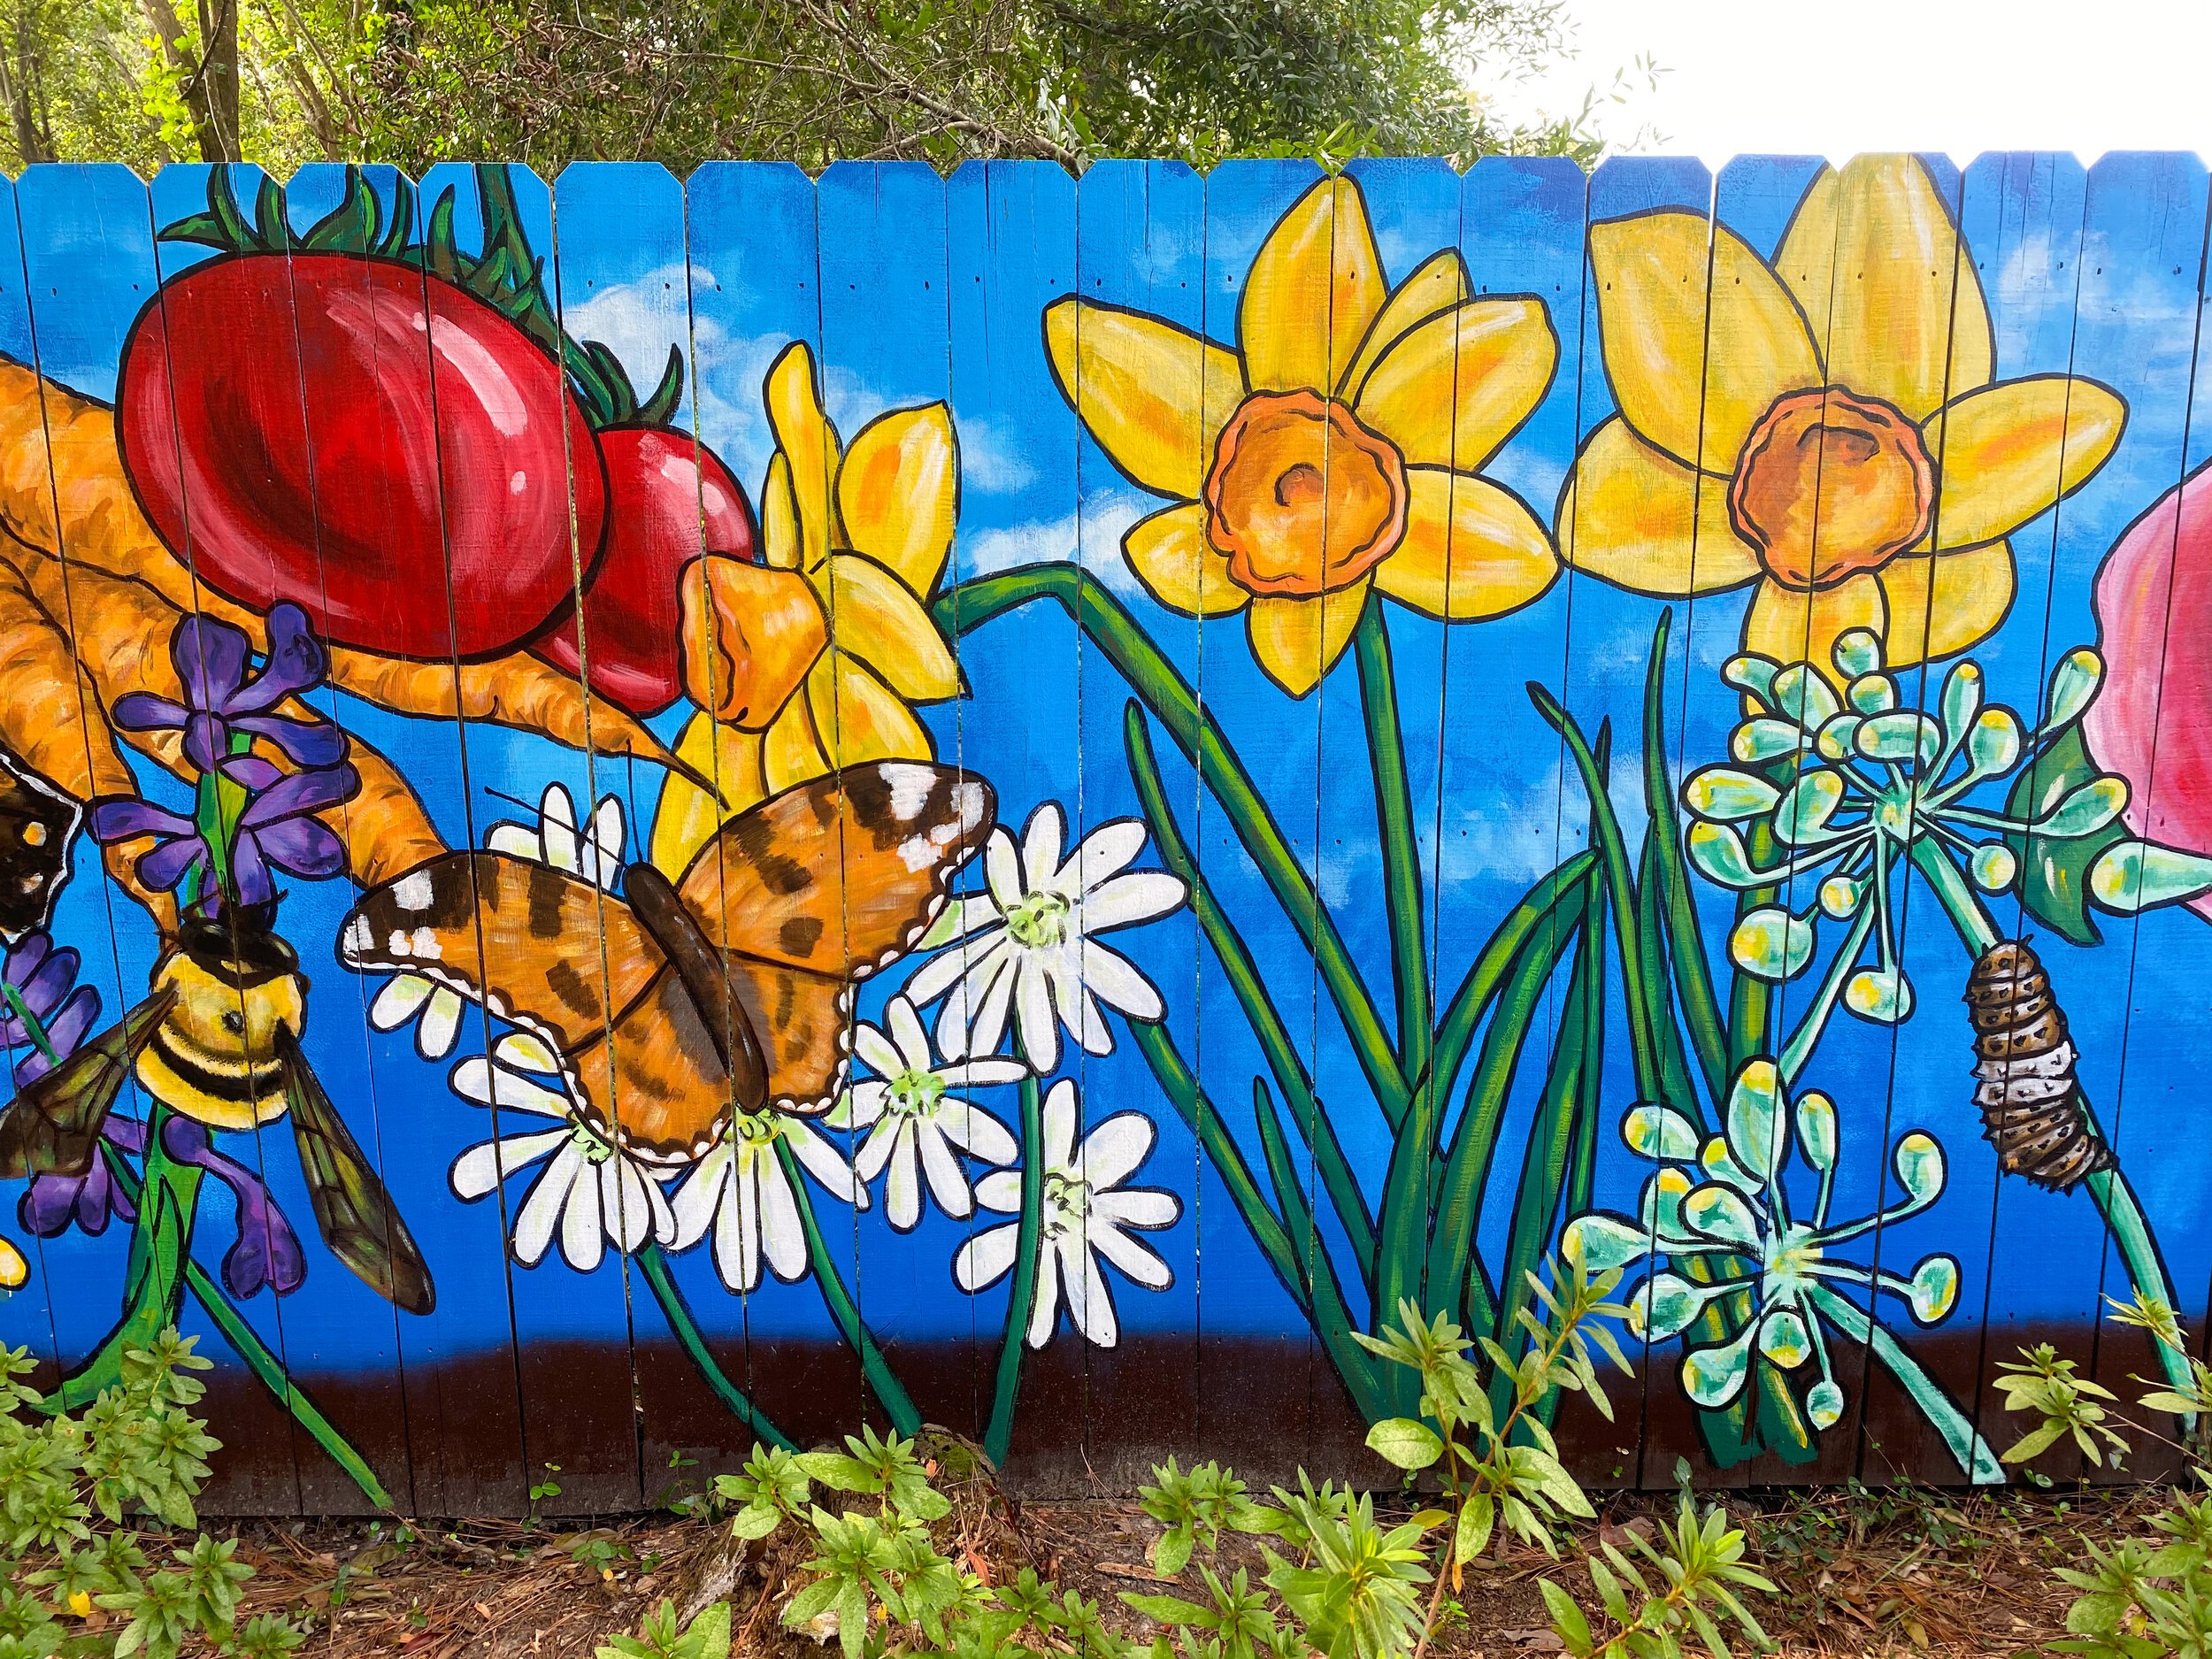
780, 535
687, 815
1452, 390
1470, 550
1297, 641
1437, 284
1642, 520
1873, 255
1665, 362
793, 753
1178, 566
898, 492
1943, 603
859, 717
2007, 453
1789, 625
875, 617
1155, 396
1315, 287
805, 436
14, 1270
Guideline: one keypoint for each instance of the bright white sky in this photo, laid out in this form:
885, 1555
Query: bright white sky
1961, 76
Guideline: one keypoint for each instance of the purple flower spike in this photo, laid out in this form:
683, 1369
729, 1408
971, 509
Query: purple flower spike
182, 845
276, 830
211, 659
52, 1202
44, 980
268, 1250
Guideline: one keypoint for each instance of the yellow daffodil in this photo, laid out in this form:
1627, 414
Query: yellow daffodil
811, 661
1334, 450
1825, 426
13, 1269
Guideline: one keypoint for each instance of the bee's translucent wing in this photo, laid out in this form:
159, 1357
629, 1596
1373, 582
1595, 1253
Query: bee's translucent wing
53, 1126
357, 1216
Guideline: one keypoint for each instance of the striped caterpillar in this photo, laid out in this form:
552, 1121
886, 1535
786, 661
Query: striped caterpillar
2031, 1108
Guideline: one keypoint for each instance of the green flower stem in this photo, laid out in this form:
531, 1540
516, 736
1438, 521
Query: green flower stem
882, 1381
1401, 852
1750, 998
1960, 902
1605, 829
1251, 991
999, 1435
1456, 1032
32, 1026
247, 1343
1174, 1077
654, 1264
1317, 1272
1974, 1457
1551, 1137
1678, 911
1799, 1048
1676, 1086
1452, 1254
2108, 1190
154, 1278
1108, 624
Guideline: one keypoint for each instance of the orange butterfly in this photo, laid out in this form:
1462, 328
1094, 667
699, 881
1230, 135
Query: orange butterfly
730, 987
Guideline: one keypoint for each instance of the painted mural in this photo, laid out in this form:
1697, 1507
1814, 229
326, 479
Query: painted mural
639, 815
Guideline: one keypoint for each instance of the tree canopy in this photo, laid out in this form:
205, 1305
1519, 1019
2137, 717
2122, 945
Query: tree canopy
410, 81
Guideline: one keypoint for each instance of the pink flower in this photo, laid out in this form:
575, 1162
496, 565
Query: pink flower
2152, 723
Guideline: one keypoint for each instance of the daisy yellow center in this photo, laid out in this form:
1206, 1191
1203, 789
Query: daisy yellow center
1040, 920
588, 1145
1831, 484
754, 1129
1301, 496
913, 1094
1067, 1202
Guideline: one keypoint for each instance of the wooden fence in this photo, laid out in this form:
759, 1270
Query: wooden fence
1025, 804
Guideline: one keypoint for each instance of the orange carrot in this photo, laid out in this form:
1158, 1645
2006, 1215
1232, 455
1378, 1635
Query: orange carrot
123, 630
52, 723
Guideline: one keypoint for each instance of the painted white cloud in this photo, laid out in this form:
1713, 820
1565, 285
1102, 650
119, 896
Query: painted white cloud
994, 460
1099, 529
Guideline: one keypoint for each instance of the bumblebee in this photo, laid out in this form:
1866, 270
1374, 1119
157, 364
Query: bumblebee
217, 1040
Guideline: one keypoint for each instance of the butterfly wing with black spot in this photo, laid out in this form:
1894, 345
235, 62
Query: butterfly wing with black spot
38, 824
357, 1216
53, 1125
536, 945
823, 884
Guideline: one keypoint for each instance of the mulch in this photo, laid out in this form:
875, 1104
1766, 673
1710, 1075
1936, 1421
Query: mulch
1863, 1571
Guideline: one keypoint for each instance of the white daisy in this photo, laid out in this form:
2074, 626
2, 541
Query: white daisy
1029, 944
1087, 1216
435, 1007
598, 857
917, 1127
590, 1191
739, 1193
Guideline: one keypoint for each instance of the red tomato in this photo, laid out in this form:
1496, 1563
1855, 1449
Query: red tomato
288, 426
662, 487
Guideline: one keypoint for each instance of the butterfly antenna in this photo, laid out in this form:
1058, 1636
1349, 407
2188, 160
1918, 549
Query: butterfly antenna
587, 831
